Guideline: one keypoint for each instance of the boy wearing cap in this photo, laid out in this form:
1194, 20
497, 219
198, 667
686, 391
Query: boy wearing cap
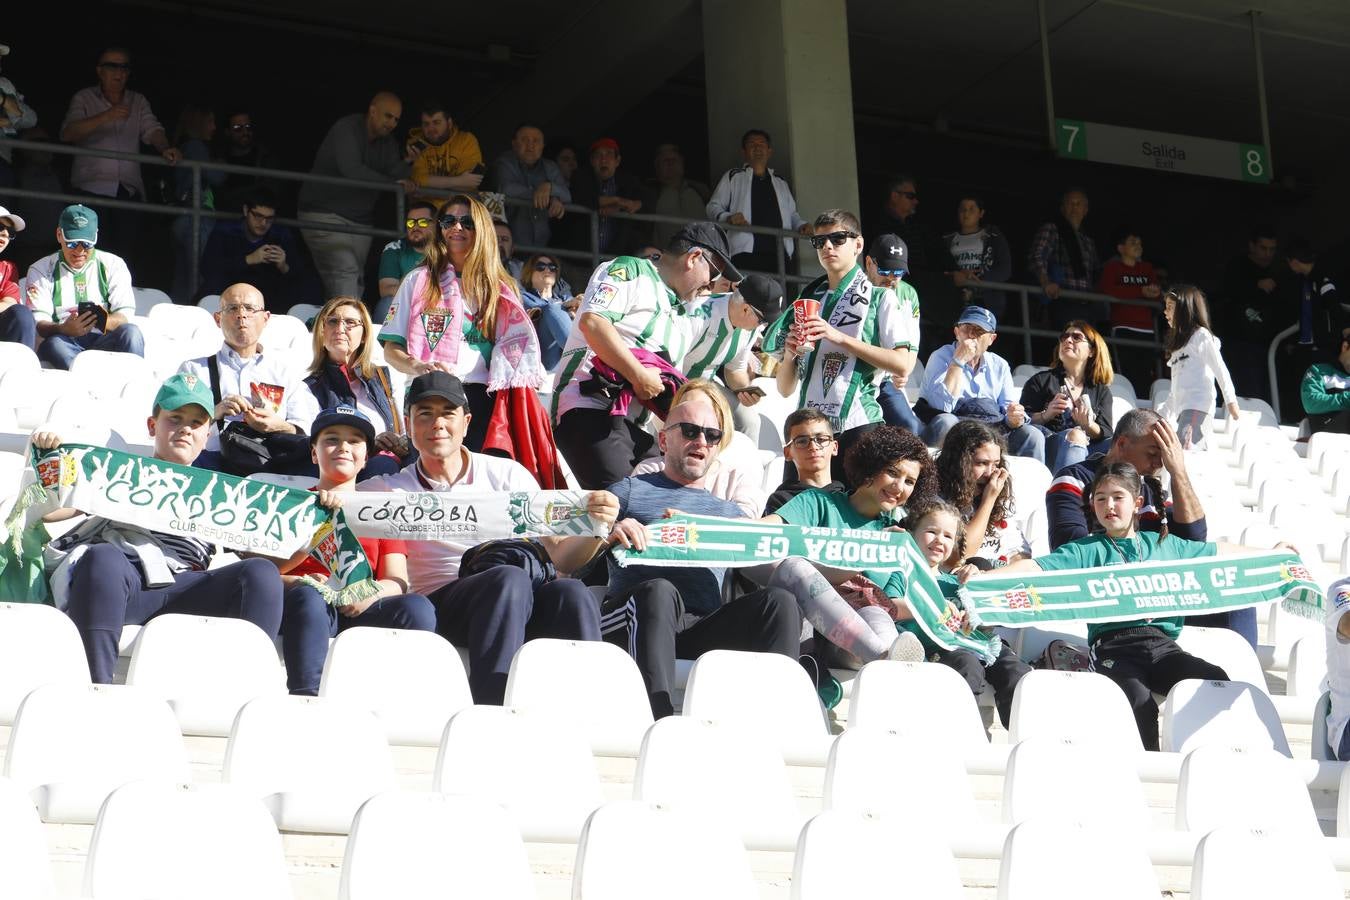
838, 357
965, 380
343, 438
117, 574
887, 265
630, 304
490, 612
725, 328
16, 320
77, 274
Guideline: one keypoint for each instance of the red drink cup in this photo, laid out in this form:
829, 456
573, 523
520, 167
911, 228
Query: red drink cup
802, 309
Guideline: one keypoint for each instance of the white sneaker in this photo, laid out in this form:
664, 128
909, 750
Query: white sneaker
907, 648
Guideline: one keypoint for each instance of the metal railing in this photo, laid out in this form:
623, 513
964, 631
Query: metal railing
195, 210
1028, 330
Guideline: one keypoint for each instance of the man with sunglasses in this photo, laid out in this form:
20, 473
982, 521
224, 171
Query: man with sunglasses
81, 297
243, 147
725, 327
257, 251
109, 116
16, 319
630, 304
400, 257
677, 612
835, 360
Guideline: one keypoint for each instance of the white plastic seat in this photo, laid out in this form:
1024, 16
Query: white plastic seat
104, 373
38, 645
1060, 859
1120, 405
925, 701
1244, 787
536, 766
208, 842
427, 846
1320, 744
625, 852
722, 771
18, 363
303, 312
176, 319
210, 303
299, 482
312, 760
1307, 676
148, 298
1226, 649
25, 871
286, 332
413, 681
182, 659
765, 692
1248, 864
1042, 771
1084, 706
595, 685
72, 745
1199, 712
1122, 387
851, 854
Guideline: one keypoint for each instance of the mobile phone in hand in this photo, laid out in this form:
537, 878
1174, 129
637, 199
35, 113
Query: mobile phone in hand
753, 389
98, 312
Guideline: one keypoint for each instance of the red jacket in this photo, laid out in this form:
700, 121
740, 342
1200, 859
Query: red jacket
1128, 283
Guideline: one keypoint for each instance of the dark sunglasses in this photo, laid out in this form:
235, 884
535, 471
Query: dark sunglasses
1076, 336
422, 222
79, 245
545, 267
448, 221
689, 431
246, 126
714, 271
893, 273
838, 238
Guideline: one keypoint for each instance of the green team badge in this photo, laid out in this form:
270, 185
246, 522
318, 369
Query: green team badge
523, 514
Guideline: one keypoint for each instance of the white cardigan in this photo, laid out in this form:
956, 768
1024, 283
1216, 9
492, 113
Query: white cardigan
732, 195
1195, 368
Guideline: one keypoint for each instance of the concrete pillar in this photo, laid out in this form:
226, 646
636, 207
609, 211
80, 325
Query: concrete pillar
783, 66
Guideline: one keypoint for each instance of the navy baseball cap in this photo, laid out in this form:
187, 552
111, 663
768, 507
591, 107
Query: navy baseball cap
343, 414
436, 384
978, 315
890, 254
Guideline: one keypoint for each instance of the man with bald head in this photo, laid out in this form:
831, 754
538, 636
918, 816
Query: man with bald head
256, 392
677, 612
359, 147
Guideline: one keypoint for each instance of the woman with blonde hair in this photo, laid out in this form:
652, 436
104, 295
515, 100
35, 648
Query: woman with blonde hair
1195, 363
1071, 401
341, 373
460, 312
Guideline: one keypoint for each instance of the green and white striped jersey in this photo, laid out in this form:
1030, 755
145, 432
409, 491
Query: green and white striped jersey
631, 295
716, 342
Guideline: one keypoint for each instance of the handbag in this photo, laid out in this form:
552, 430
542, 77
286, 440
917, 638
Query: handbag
1063, 656
247, 451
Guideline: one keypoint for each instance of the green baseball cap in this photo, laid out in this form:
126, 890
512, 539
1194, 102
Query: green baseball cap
185, 390
79, 223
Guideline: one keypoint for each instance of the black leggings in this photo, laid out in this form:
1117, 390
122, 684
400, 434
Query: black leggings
480, 407
600, 448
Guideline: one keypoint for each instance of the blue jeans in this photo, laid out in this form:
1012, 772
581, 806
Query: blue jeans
307, 622
494, 612
107, 591
17, 325
552, 327
895, 407
1026, 440
1059, 452
60, 351
1243, 621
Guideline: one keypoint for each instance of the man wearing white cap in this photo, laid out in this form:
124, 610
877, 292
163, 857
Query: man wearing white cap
16, 320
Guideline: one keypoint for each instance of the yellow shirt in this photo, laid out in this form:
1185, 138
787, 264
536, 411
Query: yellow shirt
459, 154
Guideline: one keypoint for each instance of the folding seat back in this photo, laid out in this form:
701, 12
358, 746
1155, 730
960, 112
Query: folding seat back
1226, 649
878, 847
1235, 863
25, 873
1242, 787
926, 701
1199, 712
1084, 706
886, 772
1059, 859
1042, 771
38, 645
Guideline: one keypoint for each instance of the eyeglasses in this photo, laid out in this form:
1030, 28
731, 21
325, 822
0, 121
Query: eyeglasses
1076, 337
243, 126
247, 312
118, 66
420, 222
838, 238
448, 221
714, 270
689, 431
344, 324
807, 440
260, 217
893, 273
79, 245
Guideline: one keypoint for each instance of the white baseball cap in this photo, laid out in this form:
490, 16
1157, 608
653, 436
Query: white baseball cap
19, 223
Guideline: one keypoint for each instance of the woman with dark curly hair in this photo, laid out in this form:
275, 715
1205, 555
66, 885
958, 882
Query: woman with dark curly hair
972, 475
891, 468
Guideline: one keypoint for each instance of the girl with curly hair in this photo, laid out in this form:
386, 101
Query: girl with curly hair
973, 476
857, 611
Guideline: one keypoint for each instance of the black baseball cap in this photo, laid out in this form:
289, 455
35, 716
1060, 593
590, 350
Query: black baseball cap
343, 414
436, 384
764, 294
890, 253
711, 237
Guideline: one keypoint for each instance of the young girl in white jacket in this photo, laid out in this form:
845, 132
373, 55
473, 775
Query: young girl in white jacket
1193, 357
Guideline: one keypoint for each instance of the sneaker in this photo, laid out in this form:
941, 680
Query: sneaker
907, 648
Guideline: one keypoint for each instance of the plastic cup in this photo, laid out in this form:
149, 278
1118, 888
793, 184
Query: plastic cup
802, 309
